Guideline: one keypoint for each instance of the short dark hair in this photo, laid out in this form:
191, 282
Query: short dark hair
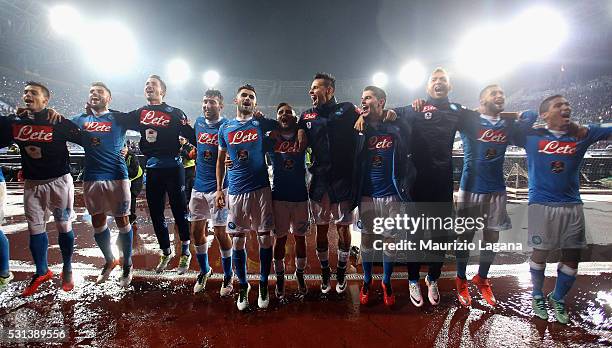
39, 84
211, 93
486, 89
378, 92
545, 104
100, 84
247, 87
280, 105
161, 82
330, 80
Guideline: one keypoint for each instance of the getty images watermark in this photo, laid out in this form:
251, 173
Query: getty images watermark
413, 224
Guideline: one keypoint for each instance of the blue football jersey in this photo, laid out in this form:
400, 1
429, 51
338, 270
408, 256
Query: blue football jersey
484, 150
289, 171
554, 163
103, 139
207, 138
246, 145
379, 174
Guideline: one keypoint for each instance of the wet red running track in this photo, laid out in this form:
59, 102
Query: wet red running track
161, 311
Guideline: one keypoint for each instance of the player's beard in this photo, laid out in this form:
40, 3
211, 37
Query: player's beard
246, 110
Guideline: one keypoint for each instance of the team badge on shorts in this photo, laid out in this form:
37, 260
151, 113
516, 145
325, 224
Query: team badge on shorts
536, 240
377, 161
243, 155
288, 164
557, 166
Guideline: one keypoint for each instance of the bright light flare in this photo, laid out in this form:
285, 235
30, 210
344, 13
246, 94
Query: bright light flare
538, 32
211, 78
178, 71
413, 74
65, 20
108, 47
380, 79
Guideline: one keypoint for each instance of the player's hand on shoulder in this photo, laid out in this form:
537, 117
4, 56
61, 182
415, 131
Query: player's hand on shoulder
389, 115
54, 117
418, 105
23, 112
360, 124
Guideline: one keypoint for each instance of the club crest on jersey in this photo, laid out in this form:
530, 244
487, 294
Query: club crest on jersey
557, 166
168, 109
286, 147
555, 147
492, 136
208, 138
255, 123
382, 142
429, 108
241, 137
310, 116
97, 126
154, 118
40, 134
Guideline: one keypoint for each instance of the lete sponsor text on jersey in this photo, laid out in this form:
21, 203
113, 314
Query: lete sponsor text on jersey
154, 118
429, 108
41, 134
240, 137
380, 142
286, 146
208, 138
98, 126
555, 147
310, 116
492, 136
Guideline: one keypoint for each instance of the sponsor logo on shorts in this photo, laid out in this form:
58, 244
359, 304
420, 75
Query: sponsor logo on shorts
97, 126
492, 136
41, 134
555, 147
208, 138
311, 116
557, 166
380, 142
155, 118
241, 137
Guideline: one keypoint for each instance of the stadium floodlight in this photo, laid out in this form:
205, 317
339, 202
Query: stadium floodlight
64, 19
474, 57
116, 55
211, 78
538, 32
412, 75
380, 79
178, 71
